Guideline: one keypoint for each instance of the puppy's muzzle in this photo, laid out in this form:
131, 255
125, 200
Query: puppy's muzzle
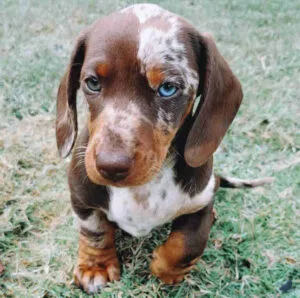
113, 165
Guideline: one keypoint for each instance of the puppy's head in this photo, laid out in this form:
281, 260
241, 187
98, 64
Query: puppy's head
140, 70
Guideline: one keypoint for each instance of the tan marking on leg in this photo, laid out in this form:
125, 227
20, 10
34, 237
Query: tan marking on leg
97, 262
168, 260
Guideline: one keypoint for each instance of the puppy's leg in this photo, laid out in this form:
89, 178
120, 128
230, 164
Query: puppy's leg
97, 261
185, 245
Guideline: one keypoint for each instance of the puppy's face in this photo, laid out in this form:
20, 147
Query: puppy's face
140, 83
140, 70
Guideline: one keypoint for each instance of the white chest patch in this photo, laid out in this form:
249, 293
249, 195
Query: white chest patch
138, 210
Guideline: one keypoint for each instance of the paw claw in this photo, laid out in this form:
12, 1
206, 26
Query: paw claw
154, 255
93, 279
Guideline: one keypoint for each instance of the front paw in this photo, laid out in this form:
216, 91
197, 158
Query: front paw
167, 272
93, 278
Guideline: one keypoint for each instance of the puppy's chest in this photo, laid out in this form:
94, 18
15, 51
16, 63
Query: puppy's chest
138, 210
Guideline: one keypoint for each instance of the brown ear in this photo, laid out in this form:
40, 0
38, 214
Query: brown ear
66, 114
221, 96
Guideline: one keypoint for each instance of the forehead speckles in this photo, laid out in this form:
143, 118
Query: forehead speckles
161, 45
153, 46
163, 194
169, 58
179, 57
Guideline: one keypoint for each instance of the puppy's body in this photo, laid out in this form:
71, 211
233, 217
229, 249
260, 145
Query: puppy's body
145, 157
139, 209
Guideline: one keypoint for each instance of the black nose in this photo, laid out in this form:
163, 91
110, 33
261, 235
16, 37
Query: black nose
113, 165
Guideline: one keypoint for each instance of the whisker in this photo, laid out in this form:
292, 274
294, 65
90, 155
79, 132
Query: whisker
78, 147
79, 163
85, 179
79, 154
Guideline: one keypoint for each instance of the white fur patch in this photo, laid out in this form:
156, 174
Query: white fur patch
124, 121
161, 200
161, 46
144, 12
92, 223
252, 182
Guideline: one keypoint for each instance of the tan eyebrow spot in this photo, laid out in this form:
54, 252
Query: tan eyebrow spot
102, 70
155, 76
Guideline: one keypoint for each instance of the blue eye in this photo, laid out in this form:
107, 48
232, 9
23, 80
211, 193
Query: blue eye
167, 90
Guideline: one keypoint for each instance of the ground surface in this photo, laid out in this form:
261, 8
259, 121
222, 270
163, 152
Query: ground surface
254, 245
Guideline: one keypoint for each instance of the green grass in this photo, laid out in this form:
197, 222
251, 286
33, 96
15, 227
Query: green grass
254, 245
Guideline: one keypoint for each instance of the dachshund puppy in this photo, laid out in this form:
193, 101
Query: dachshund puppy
145, 157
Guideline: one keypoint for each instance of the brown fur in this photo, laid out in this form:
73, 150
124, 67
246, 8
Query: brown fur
185, 245
222, 96
167, 259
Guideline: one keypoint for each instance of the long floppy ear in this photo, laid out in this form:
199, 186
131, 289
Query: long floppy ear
221, 96
66, 114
